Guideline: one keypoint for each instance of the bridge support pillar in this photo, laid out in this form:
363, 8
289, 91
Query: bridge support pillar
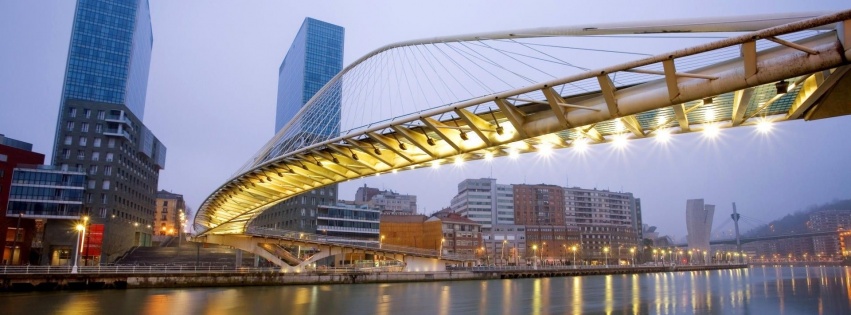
413, 263
243, 243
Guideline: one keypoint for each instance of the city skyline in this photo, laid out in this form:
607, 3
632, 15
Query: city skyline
743, 162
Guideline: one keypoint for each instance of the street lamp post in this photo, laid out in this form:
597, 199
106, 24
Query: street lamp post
573, 249
80, 228
632, 251
534, 255
543, 248
655, 258
606, 252
502, 254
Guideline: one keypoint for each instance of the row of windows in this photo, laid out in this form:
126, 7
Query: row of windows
43, 178
43, 208
45, 193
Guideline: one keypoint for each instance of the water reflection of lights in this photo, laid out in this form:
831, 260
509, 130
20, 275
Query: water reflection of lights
610, 293
536, 296
577, 295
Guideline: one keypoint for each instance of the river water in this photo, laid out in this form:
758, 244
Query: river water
757, 290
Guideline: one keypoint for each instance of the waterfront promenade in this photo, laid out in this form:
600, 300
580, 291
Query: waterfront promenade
48, 278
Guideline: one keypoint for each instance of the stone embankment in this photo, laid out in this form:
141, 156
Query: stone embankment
266, 277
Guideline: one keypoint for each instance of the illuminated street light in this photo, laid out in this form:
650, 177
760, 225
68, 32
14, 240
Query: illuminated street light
435, 164
488, 156
606, 252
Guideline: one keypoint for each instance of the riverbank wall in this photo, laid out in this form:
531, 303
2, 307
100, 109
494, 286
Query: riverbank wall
67, 281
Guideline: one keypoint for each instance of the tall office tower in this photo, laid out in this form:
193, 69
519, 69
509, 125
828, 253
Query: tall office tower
605, 219
699, 224
315, 56
484, 201
99, 129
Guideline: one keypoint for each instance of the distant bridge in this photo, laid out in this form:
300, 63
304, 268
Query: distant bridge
766, 238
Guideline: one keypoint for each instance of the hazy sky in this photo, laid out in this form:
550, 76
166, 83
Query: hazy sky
213, 81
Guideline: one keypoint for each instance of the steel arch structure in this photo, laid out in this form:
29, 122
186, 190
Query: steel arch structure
738, 91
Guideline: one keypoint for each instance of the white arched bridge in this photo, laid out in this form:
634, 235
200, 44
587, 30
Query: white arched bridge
442, 100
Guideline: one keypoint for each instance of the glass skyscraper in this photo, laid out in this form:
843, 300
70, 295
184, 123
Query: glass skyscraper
314, 58
99, 129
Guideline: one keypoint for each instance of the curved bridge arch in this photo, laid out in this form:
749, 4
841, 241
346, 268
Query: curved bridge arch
736, 90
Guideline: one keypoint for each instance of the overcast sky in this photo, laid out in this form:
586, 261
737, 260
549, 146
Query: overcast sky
213, 80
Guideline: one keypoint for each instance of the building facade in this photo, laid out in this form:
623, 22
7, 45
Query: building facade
411, 230
609, 222
829, 221
485, 202
348, 221
386, 201
36, 198
99, 128
506, 243
461, 236
699, 224
170, 209
314, 57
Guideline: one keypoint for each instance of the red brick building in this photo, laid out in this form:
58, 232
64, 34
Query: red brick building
12, 154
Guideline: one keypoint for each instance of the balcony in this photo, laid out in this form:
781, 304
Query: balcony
117, 132
120, 118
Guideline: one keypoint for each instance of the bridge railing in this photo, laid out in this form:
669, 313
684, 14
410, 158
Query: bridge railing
325, 239
176, 269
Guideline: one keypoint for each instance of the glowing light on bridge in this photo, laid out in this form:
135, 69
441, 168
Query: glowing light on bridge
619, 141
710, 114
663, 135
545, 149
459, 161
580, 145
435, 164
764, 126
711, 131
513, 153
488, 156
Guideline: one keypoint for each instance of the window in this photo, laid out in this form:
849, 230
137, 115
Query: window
70, 126
107, 170
72, 112
84, 141
79, 168
64, 167
68, 140
111, 143
104, 199
87, 112
93, 169
84, 127
101, 115
66, 154
106, 185
109, 157
98, 128
97, 143
165, 203
95, 156
92, 184
81, 155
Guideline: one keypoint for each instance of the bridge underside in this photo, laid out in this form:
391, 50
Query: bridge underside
807, 79
334, 255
